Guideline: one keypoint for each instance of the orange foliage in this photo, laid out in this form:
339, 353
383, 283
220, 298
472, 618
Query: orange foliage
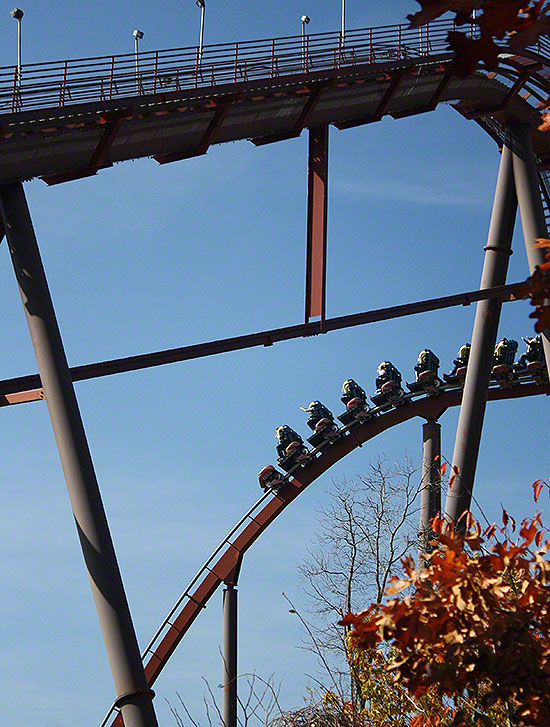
537, 287
520, 22
478, 613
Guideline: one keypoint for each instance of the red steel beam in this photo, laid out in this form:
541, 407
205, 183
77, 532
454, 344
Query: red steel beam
389, 94
208, 137
264, 338
317, 207
301, 122
476, 113
21, 397
112, 123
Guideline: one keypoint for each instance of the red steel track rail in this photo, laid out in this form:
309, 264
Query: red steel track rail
225, 562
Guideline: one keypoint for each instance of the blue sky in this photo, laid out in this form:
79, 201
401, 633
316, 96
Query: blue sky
144, 257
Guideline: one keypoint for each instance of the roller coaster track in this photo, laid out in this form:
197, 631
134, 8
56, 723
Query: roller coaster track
69, 119
66, 120
224, 563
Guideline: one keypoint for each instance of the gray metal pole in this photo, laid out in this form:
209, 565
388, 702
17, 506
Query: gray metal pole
474, 398
229, 680
133, 694
343, 19
136, 54
19, 52
530, 205
430, 492
201, 37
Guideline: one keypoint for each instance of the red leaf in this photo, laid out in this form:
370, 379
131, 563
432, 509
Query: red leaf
469, 52
443, 469
537, 489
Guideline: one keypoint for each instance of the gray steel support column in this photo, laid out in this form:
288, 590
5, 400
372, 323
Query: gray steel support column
133, 694
530, 205
474, 398
430, 492
229, 653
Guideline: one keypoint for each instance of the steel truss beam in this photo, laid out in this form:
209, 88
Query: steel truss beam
31, 384
134, 696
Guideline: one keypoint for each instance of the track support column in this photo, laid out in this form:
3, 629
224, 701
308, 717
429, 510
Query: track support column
229, 652
474, 398
133, 694
530, 205
430, 492
317, 207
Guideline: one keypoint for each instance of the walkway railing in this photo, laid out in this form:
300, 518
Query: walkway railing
60, 83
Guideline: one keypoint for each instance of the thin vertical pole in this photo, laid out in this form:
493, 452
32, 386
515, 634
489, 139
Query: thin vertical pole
134, 695
229, 651
430, 492
317, 209
478, 373
136, 53
201, 37
530, 205
19, 52
343, 20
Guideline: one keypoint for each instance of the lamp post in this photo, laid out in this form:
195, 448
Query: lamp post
343, 31
138, 35
202, 5
17, 13
305, 20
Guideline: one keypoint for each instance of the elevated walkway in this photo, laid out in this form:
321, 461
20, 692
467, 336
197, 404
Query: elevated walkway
69, 119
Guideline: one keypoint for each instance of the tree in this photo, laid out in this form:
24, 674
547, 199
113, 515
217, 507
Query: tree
475, 624
361, 536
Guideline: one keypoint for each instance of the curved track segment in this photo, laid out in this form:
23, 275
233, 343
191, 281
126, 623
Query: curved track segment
231, 550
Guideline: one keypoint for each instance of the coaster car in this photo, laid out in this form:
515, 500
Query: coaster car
355, 399
532, 362
503, 363
426, 370
388, 386
291, 448
458, 374
270, 478
321, 420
